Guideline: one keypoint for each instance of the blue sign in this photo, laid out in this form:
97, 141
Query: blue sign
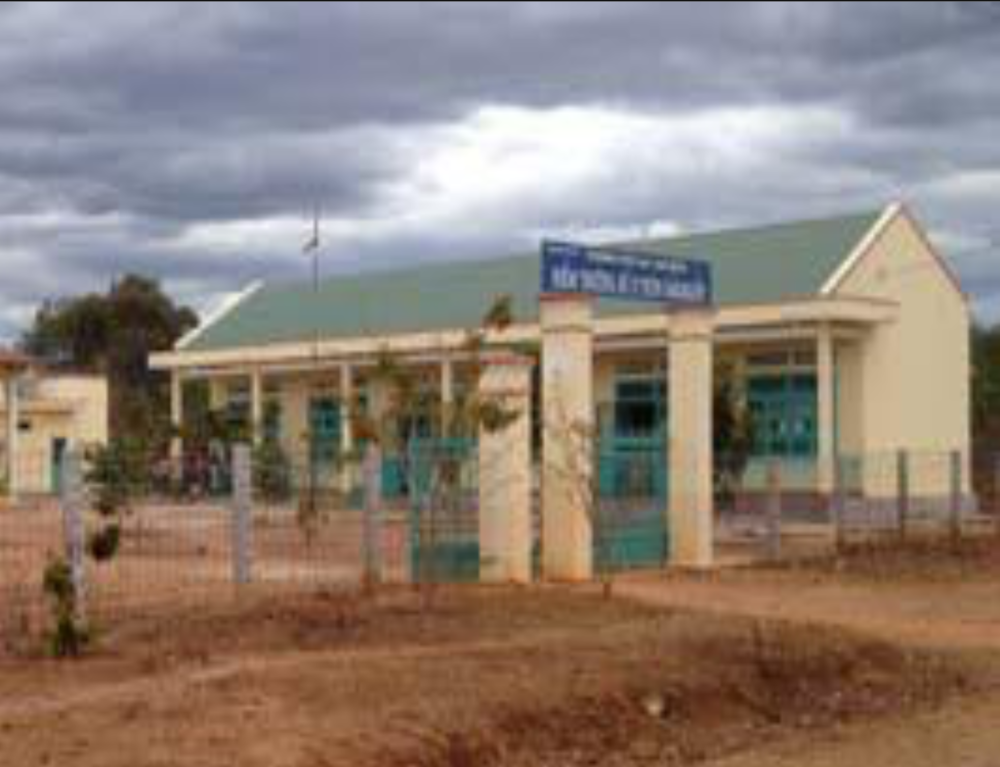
568, 268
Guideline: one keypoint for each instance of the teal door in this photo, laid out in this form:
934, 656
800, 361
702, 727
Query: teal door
324, 444
58, 453
632, 479
415, 433
444, 547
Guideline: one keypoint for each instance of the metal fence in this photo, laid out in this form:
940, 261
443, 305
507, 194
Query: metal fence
775, 508
198, 530
630, 504
206, 528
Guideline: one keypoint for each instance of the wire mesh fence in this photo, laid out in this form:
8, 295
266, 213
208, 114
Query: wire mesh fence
443, 487
322, 521
208, 527
778, 508
212, 526
30, 533
191, 531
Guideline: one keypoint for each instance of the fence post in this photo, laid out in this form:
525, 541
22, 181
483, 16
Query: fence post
996, 494
74, 534
242, 516
773, 514
955, 507
903, 491
837, 504
372, 532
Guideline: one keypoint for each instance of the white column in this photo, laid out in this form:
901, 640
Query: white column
346, 430
447, 394
346, 403
176, 415
567, 437
826, 409
505, 474
256, 407
691, 500
13, 416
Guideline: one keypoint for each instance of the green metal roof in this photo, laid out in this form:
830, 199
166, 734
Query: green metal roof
759, 265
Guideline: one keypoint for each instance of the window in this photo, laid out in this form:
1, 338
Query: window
324, 428
640, 406
783, 407
272, 420
237, 409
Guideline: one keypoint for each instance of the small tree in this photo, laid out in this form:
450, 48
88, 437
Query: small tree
271, 465
115, 473
69, 634
434, 477
733, 437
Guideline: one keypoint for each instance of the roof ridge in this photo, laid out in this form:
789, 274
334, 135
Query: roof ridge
755, 228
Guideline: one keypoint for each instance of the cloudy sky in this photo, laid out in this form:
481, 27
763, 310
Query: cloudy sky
190, 140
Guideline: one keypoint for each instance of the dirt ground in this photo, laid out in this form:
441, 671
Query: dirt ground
870, 659
923, 596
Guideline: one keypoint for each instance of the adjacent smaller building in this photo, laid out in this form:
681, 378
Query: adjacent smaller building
45, 413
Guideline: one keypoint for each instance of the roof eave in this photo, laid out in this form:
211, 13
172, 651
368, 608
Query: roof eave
861, 249
223, 310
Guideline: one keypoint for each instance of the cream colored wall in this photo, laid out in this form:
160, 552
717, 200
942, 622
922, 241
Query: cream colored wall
850, 371
217, 393
88, 396
34, 459
910, 387
294, 398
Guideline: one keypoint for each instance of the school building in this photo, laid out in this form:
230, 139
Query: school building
849, 335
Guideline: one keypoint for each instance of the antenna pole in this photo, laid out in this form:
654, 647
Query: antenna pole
315, 243
312, 247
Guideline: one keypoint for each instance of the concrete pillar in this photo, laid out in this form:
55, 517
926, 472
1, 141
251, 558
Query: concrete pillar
691, 501
826, 410
242, 516
379, 402
505, 474
295, 419
176, 416
447, 394
567, 437
256, 407
13, 416
72, 502
346, 430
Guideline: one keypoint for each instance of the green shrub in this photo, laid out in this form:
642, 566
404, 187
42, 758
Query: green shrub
70, 635
103, 544
271, 472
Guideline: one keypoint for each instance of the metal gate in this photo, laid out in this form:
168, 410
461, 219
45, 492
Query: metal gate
441, 475
631, 503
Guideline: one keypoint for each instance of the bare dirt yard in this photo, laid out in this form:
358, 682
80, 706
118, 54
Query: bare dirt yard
885, 653
922, 596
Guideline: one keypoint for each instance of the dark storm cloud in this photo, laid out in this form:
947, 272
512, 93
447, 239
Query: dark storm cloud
188, 139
